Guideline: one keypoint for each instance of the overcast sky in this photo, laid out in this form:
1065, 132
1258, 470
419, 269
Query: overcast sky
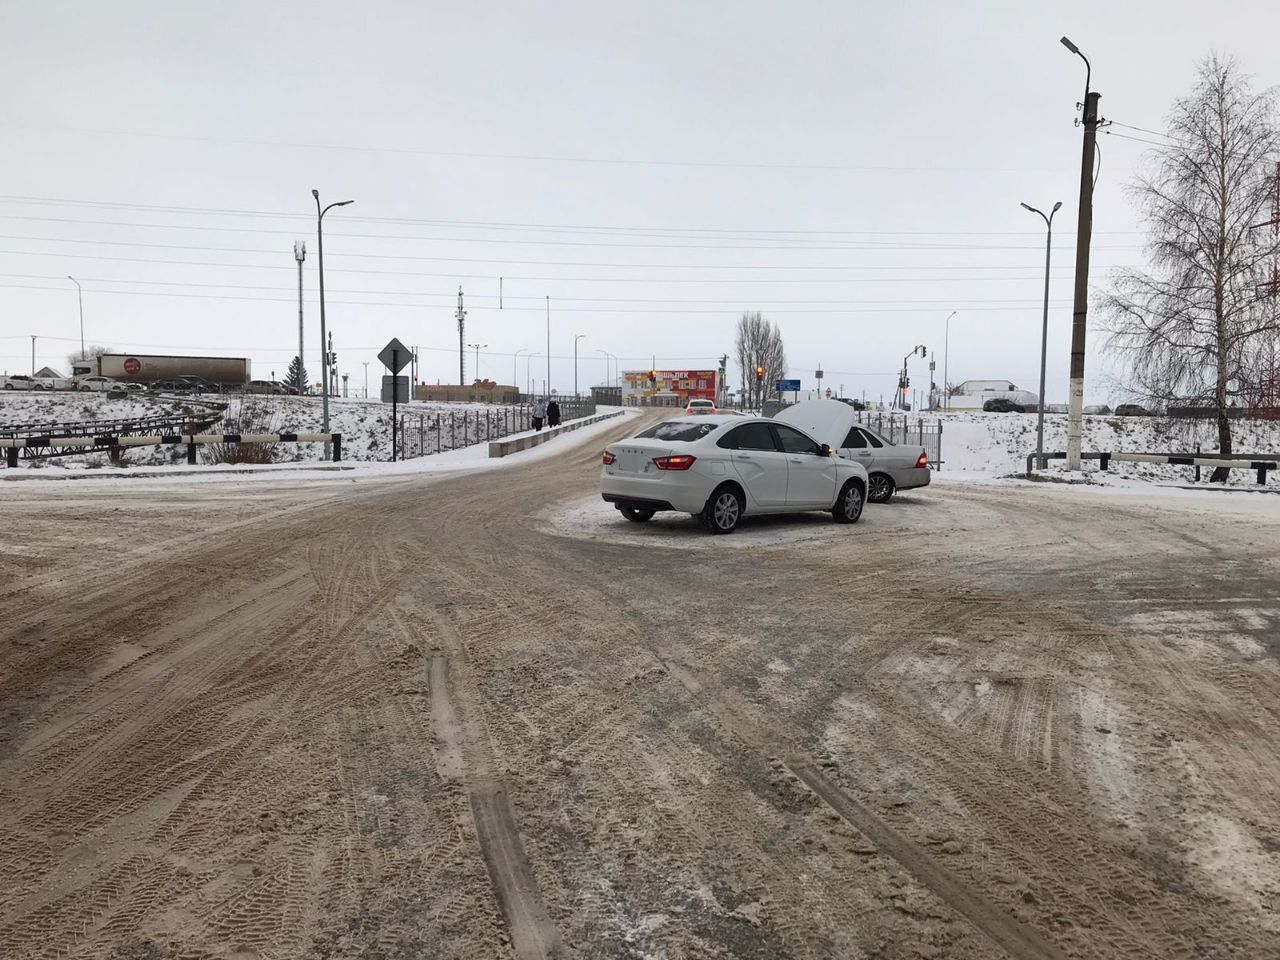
852, 170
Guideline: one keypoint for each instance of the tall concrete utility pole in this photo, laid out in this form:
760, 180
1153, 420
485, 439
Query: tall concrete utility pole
546, 388
300, 254
1084, 233
462, 342
575, 362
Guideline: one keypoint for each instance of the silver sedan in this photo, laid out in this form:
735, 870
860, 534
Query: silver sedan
890, 466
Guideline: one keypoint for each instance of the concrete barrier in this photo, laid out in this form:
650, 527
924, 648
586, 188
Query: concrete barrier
501, 448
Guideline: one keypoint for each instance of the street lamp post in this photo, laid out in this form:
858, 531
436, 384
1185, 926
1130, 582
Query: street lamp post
946, 354
478, 347
366, 379
1044, 333
547, 385
528, 373
324, 372
80, 298
300, 254
575, 363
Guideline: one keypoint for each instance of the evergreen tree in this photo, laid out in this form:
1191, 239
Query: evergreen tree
297, 375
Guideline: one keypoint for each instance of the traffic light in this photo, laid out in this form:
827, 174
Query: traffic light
759, 374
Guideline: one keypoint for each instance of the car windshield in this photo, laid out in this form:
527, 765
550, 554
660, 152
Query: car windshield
678, 431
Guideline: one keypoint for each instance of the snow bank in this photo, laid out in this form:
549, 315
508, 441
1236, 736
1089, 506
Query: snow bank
365, 425
988, 445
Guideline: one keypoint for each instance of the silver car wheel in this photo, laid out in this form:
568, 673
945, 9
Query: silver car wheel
725, 510
879, 488
852, 503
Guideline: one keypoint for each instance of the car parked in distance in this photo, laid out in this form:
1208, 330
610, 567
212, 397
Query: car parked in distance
850, 401
95, 383
171, 385
700, 408
719, 468
1132, 410
265, 386
20, 381
201, 385
890, 466
1002, 405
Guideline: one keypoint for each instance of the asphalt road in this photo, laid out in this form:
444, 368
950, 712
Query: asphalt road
483, 716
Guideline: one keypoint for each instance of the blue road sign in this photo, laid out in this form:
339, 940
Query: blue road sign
786, 386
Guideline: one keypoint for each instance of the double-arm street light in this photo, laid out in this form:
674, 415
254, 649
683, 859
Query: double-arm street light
478, 347
323, 341
515, 370
1044, 333
80, 297
607, 356
528, 372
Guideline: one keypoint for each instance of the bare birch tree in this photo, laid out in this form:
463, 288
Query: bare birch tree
1188, 326
758, 343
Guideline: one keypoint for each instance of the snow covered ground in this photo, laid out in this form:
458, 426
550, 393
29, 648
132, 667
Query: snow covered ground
365, 425
991, 445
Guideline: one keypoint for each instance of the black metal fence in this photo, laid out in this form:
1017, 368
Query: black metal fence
423, 434
900, 428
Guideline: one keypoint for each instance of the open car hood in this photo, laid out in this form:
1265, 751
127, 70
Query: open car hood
827, 421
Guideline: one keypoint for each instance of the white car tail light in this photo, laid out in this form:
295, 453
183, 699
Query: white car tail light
680, 461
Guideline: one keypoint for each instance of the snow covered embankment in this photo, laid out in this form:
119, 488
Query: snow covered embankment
997, 444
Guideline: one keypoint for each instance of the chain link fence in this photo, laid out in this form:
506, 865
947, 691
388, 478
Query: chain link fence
423, 434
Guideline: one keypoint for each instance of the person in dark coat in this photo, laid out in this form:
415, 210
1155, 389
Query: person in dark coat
553, 414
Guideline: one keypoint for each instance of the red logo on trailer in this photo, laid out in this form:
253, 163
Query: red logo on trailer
132, 366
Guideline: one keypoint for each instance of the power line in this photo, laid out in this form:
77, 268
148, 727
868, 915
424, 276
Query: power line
539, 158
530, 309
513, 225
491, 299
862, 246
489, 276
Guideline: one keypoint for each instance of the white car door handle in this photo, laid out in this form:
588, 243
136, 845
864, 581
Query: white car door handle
796, 460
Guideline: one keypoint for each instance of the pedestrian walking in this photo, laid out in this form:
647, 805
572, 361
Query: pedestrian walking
539, 413
553, 413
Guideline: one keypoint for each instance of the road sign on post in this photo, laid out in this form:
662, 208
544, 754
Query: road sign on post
395, 356
786, 386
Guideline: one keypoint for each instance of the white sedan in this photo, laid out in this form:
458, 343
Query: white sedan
719, 468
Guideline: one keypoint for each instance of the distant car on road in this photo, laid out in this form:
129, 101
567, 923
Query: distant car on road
1003, 405
1132, 410
850, 401
97, 384
890, 466
718, 468
700, 408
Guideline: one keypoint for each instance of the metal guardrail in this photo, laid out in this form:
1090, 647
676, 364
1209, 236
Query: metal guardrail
1262, 463
32, 433
191, 440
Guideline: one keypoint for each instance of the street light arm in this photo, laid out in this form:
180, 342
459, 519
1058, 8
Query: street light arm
1088, 68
